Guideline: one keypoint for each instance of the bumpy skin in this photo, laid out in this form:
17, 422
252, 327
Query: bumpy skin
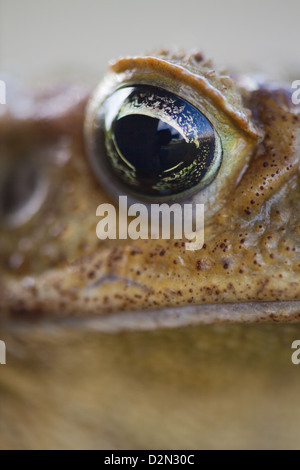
207, 386
54, 265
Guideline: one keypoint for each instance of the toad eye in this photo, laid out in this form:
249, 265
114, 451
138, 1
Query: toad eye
153, 143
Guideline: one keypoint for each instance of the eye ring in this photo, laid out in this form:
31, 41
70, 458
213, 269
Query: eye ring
153, 144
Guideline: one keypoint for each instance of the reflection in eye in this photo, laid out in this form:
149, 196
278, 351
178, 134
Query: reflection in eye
155, 143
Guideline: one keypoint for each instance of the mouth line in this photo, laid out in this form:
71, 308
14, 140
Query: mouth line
176, 317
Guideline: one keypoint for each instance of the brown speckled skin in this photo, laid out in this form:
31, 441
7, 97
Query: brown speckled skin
228, 386
251, 250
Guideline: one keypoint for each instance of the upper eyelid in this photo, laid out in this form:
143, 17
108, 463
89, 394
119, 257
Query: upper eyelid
237, 143
216, 88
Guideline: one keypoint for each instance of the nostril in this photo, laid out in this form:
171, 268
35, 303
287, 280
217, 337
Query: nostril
22, 191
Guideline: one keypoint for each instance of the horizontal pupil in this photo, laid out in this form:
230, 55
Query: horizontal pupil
148, 144
157, 142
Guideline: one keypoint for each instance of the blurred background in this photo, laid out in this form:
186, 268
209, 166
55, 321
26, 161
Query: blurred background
220, 386
40, 40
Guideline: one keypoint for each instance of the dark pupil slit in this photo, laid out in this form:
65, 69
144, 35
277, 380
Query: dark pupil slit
157, 143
